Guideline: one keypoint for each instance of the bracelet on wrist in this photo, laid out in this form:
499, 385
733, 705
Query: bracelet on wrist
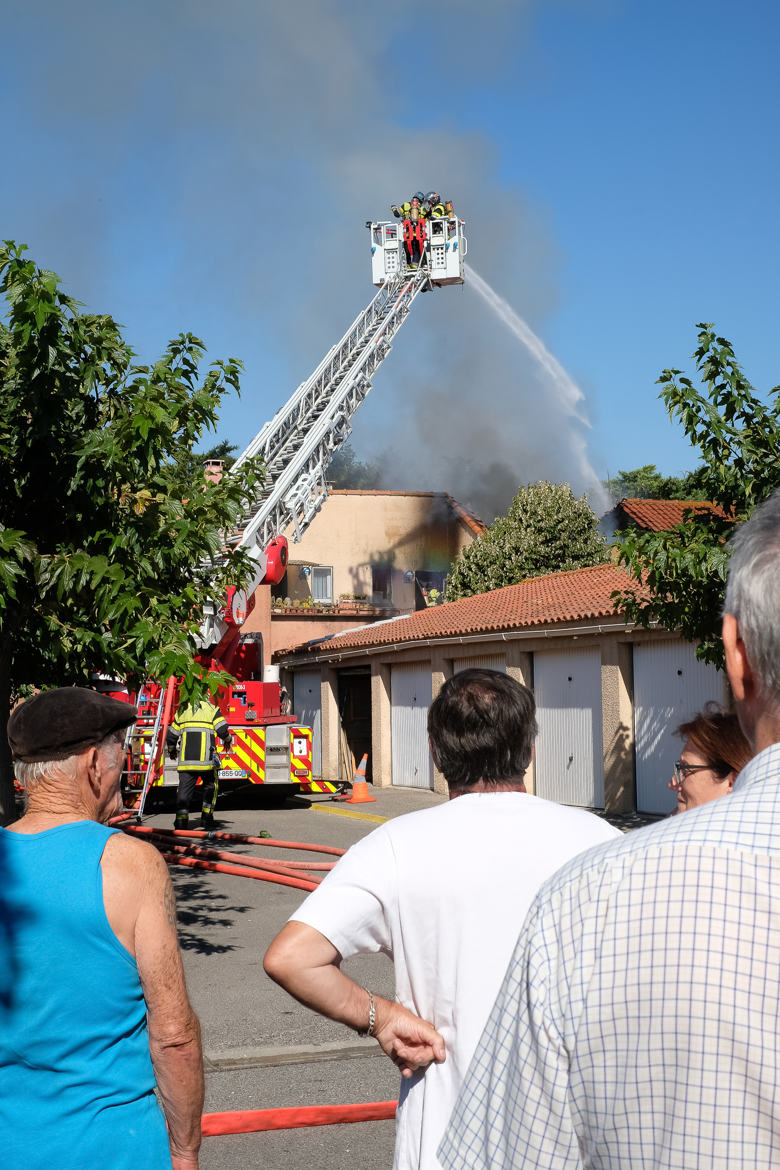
369, 1031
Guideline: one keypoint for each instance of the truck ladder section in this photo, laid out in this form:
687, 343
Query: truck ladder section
300, 440
145, 740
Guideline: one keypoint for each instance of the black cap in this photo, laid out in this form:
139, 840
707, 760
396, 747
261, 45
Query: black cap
59, 723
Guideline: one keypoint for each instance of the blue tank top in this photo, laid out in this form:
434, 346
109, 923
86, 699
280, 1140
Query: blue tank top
76, 1078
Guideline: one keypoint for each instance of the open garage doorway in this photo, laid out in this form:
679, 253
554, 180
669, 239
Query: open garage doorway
354, 720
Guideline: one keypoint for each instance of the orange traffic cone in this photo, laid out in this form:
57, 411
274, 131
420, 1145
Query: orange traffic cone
360, 794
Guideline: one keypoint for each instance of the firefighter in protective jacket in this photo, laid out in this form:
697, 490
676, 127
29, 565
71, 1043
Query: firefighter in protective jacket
197, 729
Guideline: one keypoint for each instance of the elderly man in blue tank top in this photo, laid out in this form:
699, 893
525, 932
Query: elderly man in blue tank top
95, 1008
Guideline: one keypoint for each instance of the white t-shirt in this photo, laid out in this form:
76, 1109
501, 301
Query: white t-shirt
444, 893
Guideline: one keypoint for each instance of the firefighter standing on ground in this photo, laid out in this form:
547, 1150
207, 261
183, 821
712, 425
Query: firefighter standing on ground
197, 728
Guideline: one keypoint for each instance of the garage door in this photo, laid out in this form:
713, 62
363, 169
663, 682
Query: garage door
307, 705
670, 685
410, 697
485, 661
569, 755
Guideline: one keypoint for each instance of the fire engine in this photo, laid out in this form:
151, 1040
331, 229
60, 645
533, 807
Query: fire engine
269, 745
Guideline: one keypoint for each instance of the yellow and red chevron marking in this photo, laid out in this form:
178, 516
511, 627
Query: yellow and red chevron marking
247, 752
300, 761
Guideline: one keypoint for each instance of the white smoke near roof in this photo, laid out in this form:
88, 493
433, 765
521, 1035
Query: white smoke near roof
219, 162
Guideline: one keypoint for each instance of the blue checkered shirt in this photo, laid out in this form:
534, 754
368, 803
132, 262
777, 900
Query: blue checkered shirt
638, 1024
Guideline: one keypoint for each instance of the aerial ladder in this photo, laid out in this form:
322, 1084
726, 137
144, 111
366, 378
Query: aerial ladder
296, 445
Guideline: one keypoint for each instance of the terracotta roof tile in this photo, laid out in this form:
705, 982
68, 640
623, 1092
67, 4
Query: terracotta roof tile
660, 515
540, 601
471, 521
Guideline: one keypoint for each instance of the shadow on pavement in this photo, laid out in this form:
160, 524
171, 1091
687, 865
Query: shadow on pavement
262, 796
202, 912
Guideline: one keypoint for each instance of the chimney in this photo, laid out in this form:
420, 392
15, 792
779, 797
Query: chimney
212, 469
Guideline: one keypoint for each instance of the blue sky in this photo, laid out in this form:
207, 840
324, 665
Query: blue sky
184, 166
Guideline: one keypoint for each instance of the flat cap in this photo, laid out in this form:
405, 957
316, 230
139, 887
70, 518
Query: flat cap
59, 723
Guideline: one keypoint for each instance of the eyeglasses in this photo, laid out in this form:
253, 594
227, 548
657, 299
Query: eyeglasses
683, 770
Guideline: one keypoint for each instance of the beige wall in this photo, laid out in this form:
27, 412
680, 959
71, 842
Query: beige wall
616, 649
355, 530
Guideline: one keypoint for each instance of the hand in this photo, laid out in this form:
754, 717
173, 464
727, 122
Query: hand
411, 1042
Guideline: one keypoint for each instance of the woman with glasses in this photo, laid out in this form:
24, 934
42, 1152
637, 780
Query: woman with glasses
714, 752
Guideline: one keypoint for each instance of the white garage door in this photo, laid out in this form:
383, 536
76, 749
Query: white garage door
484, 661
569, 754
670, 685
410, 698
307, 705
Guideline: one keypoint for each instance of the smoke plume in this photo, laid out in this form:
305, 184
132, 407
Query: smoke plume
210, 168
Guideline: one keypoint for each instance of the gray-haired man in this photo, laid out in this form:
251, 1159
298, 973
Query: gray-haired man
94, 1009
637, 1022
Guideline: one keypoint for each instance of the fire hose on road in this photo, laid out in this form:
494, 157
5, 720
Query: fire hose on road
188, 847
262, 1120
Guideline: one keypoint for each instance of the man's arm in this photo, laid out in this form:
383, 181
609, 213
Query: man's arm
172, 742
174, 1030
306, 964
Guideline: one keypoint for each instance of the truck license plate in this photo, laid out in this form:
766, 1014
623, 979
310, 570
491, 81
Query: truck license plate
232, 774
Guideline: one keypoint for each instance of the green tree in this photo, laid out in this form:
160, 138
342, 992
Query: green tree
546, 529
738, 438
345, 470
647, 483
109, 545
192, 462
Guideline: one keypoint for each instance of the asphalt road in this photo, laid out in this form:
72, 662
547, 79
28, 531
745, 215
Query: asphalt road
263, 1050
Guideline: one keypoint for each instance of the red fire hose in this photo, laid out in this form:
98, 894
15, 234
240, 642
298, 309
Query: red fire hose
240, 871
200, 834
180, 847
261, 1120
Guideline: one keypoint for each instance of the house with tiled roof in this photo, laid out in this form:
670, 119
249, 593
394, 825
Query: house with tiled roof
653, 515
608, 694
366, 556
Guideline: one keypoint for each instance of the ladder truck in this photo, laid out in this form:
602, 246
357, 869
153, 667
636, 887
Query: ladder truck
269, 745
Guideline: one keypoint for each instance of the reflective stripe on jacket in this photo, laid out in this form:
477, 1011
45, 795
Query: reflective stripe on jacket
197, 728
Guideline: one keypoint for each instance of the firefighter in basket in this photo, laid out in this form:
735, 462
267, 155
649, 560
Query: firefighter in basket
413, 214
197, 728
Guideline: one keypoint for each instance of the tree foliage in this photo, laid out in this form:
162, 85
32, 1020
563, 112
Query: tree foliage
193, 461
546, 529
647, 483
110, 540
345, 470
738, 438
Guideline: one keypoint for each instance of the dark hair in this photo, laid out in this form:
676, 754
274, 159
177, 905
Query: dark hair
482, 727
716, 734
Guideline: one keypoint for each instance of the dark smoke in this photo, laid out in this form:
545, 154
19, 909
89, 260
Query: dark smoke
210, 168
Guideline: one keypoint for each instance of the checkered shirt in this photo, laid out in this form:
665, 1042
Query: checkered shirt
638, 1024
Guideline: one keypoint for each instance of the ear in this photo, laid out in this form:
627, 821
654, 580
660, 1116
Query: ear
433, 754
730, 780
94, 770
738, 667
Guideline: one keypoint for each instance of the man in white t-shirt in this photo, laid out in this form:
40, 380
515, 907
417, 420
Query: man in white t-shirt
444, 893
